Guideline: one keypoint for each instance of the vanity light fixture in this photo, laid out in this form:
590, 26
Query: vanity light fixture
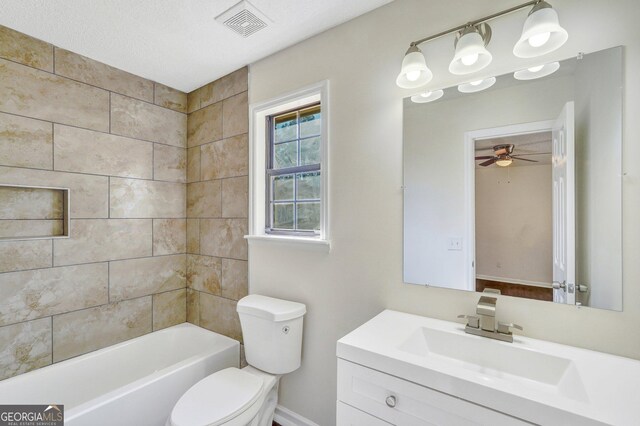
504, 160
542, 34
471, 53
428, 96
414, 72
477, 85
538, 71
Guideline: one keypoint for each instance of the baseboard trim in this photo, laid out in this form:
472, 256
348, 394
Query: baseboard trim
514, 281
286, 417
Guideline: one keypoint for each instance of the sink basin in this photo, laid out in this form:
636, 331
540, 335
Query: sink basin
533, 380
498, 361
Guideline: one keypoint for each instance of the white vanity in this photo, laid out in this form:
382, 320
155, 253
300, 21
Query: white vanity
404, 369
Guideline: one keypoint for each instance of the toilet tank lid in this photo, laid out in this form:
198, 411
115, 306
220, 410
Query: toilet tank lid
270, 308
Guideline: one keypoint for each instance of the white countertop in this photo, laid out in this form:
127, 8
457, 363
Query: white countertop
565, 385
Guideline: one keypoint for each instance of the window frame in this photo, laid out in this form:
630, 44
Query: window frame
317, 92
270, 172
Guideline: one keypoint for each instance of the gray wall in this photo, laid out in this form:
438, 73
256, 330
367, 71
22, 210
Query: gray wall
598, 83
362, 274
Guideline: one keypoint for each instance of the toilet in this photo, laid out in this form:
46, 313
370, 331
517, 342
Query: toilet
272, 331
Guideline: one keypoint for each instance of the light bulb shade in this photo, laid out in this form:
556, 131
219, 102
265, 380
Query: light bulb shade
469, 45
528, 74
539, 23
425, 97
475, 87
414, 72
504, 161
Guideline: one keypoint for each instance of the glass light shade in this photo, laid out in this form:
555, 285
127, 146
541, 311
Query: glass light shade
471, 55
414, 72
504, 161
537, 72
424, 97
541, 34
477, 86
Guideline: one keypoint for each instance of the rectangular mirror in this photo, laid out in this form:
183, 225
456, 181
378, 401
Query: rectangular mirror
518, 186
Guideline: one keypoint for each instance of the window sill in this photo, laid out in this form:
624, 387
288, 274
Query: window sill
314, 243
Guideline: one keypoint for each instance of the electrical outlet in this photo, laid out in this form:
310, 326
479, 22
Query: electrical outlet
455, 243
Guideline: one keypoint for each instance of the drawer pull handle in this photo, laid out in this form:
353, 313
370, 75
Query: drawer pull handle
391, 401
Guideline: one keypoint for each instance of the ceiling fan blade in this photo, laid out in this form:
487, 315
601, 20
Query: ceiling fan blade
524, 159
484, 157
488, 162
536, 153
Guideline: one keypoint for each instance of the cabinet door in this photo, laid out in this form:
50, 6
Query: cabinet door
410, 404
349, 416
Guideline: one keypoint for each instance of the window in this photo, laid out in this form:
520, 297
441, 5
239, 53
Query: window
293, 173
289, 176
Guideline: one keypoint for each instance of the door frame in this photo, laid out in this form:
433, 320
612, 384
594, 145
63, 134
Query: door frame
470, 183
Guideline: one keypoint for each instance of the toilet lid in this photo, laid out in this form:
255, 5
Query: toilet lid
217, 398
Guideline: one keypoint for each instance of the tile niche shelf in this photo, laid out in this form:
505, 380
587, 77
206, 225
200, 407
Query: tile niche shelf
33, 212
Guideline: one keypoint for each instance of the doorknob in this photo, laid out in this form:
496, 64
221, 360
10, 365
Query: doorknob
557, 285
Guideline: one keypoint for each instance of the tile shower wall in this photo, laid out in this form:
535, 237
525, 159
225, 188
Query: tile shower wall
217, 203
119, 142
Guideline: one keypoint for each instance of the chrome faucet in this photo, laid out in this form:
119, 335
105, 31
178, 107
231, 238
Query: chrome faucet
484, 322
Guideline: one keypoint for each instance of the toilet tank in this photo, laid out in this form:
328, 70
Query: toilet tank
272, 332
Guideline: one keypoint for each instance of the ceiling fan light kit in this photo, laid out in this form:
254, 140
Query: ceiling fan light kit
504, 161
541, 34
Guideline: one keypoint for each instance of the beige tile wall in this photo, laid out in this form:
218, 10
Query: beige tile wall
217, 203
159, 183
118, 141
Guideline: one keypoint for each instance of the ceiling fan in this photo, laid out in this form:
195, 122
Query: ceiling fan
503, 156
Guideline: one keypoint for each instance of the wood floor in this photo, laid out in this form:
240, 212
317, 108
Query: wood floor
517, 290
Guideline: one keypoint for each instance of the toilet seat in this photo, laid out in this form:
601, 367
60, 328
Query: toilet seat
218, 399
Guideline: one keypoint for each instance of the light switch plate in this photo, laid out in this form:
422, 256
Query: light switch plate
455, 243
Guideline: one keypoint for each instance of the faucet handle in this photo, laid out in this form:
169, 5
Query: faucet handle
472, 320
505, 327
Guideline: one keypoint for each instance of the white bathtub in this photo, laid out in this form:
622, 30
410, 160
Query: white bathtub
135, 383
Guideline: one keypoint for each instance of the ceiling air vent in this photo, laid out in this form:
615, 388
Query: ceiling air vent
243, 18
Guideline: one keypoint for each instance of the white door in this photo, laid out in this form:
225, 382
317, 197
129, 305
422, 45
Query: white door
563, 160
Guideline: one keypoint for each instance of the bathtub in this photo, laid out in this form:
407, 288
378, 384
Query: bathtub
136, 382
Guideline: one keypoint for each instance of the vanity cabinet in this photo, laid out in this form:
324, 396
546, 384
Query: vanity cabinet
367, 397
347, 415
407, 370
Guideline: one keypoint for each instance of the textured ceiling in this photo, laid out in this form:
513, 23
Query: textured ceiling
174, 42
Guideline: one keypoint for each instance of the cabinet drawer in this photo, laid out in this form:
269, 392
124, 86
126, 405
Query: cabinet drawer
349, 416
411, 404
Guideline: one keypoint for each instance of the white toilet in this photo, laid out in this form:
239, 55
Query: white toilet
272, 331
